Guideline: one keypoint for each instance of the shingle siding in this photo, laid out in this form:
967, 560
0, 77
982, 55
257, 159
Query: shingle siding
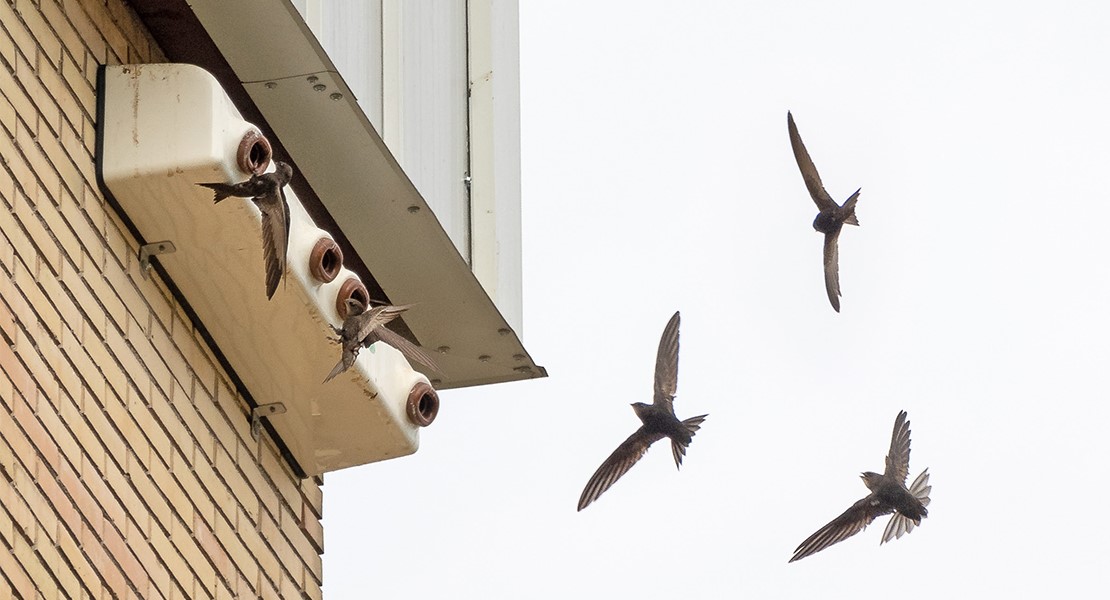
127, 468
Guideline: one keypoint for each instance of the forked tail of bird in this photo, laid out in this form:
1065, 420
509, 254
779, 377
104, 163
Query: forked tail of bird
678, 447
850, 208
223, 190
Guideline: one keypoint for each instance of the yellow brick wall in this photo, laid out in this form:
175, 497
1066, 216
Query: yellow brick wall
127, 468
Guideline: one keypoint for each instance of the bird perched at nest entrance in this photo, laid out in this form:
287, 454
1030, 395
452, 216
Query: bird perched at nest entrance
267, 191
363, 327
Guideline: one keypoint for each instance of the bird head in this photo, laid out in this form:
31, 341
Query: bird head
640, 408
354, 307
283, 170
871, 480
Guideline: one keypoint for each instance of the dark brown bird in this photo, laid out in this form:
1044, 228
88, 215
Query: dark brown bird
267, 191
363, 327
889, 494
831, 217
658, 418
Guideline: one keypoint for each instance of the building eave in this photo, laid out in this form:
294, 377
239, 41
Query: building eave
280, 78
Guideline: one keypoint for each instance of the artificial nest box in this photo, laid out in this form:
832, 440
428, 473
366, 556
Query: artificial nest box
164, 129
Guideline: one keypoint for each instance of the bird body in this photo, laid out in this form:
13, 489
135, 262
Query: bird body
658, 421
831, 217
892, 493
889, 494
267, 191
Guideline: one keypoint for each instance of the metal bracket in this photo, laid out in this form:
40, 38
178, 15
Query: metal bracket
146, 251
264, 410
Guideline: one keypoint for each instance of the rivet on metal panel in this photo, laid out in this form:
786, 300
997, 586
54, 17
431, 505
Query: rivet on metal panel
319, 87
519, 357
484, 358
264, 410
422, 405
504, 331
312, 79
336, 96
271, 85
326, 260
524, 369
443, 349
147, 251
414, 209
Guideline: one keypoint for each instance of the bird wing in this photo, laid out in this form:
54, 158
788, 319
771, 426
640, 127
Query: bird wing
809, 172
898, 459
285, 221
832, 270
619, 462
410, 350
849, 523
666, 364
275, 236
376, 317
900, 524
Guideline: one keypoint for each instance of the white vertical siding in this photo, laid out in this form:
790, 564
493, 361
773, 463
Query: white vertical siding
411, 64
351, 32
495, 152
433, 109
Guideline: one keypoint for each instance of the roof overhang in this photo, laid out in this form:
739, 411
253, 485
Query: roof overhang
280, 79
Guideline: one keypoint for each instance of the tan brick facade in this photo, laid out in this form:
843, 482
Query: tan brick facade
127, 468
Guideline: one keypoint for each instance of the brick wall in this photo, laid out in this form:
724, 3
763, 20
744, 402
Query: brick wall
127, 468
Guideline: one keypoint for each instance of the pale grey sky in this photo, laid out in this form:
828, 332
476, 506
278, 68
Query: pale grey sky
658, 176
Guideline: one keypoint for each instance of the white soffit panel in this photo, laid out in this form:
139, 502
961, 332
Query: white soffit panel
313, 113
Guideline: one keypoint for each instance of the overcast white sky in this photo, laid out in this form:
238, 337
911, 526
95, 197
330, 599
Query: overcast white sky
658, 176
